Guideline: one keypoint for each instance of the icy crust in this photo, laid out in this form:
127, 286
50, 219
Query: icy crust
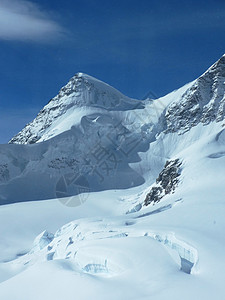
42, 240
187, 253
79, 242
82, 91
203, 102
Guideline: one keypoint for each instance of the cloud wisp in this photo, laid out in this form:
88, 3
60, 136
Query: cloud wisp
22, 20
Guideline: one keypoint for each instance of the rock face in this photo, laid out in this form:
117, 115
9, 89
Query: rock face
168, 178
165, 183
203, 102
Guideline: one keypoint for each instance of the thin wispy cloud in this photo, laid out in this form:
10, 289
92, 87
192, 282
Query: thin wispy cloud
23, 20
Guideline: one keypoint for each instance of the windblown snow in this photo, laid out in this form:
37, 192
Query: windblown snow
107, 197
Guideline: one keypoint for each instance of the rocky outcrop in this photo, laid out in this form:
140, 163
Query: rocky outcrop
203, 102
166, 182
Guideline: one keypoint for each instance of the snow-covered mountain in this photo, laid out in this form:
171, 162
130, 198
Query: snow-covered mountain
81, 96
140, 186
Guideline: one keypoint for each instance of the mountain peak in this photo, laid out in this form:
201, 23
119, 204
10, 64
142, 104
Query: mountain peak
85, 90
82, 95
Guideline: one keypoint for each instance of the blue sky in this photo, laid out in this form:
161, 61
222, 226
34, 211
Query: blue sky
135, 46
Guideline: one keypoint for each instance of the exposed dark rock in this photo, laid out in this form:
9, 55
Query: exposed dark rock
63, 162
168, 178
154, 195
165, 183
4, 173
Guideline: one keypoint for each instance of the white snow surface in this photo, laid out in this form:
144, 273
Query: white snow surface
104, 243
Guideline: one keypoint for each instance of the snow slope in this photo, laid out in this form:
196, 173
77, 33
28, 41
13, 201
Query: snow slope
105, 252
106, 243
